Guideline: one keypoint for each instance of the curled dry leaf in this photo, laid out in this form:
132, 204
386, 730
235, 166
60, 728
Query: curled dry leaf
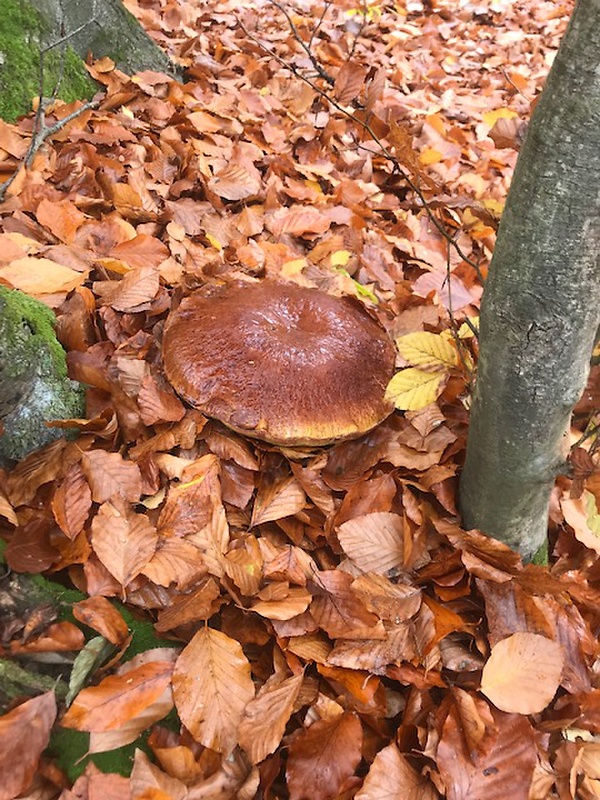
24, 733
523, 673
212, 686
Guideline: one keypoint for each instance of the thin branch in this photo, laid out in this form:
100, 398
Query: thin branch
39, 136
326, 7
306, 47
383, 149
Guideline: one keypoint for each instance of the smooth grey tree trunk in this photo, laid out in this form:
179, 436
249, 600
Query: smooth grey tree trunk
103, 27
541, 304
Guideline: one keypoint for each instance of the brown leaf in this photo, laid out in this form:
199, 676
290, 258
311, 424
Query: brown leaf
111, 477
349, 82
158, 404
212, 686
504, 771
277, 499
141, 252
375, 542
24, 733
391, 775
100, 615
136, 290
323, 757
71, 502
266, 716
523, 673
123, 540
339, 611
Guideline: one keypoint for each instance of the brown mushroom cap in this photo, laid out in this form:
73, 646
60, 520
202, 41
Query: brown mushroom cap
280, 362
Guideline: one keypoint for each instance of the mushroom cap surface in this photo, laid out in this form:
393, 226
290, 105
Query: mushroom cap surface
280, 362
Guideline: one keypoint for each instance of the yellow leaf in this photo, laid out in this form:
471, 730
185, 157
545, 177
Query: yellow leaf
413, 389
491, 117
340, 258
214, 241
430, 156
427, 350
466, 331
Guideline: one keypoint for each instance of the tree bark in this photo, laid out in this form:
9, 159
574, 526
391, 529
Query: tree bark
540, 309
104, 28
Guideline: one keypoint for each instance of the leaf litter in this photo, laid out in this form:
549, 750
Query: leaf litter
333, 632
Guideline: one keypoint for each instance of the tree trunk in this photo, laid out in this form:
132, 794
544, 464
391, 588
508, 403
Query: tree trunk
104, 28
67, 31
540, 309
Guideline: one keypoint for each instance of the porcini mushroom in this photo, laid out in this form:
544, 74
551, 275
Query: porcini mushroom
280, 362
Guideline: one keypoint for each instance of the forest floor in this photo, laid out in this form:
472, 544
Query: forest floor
321, 624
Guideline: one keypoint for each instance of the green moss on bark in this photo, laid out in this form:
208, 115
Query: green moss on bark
21, 33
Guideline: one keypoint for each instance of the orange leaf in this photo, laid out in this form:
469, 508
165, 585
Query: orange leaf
63, 218
277, 500
24, 733
523, 673
349, 82
212, 686
98, 613
71, 502
118, 698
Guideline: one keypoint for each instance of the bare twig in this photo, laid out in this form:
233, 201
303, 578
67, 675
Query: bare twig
322, 73
41, 132
383, 149
326, 7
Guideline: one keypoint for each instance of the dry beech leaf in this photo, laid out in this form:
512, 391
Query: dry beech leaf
24, 733
278, 500
349, 82
136, 289
337, 608
100, 615
523, 673
582, 515
37, 276
63, 218
176, 561
503, 770
118, 699
123, 540
295, 602
71, 502
391, 777
265, 717
110, 476
149, 781
323, 757
141, 251
375, 542
212, 686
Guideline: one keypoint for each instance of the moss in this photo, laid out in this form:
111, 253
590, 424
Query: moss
34, 386
20, 36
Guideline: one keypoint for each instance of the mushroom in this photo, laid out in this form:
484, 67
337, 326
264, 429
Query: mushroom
280, 362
